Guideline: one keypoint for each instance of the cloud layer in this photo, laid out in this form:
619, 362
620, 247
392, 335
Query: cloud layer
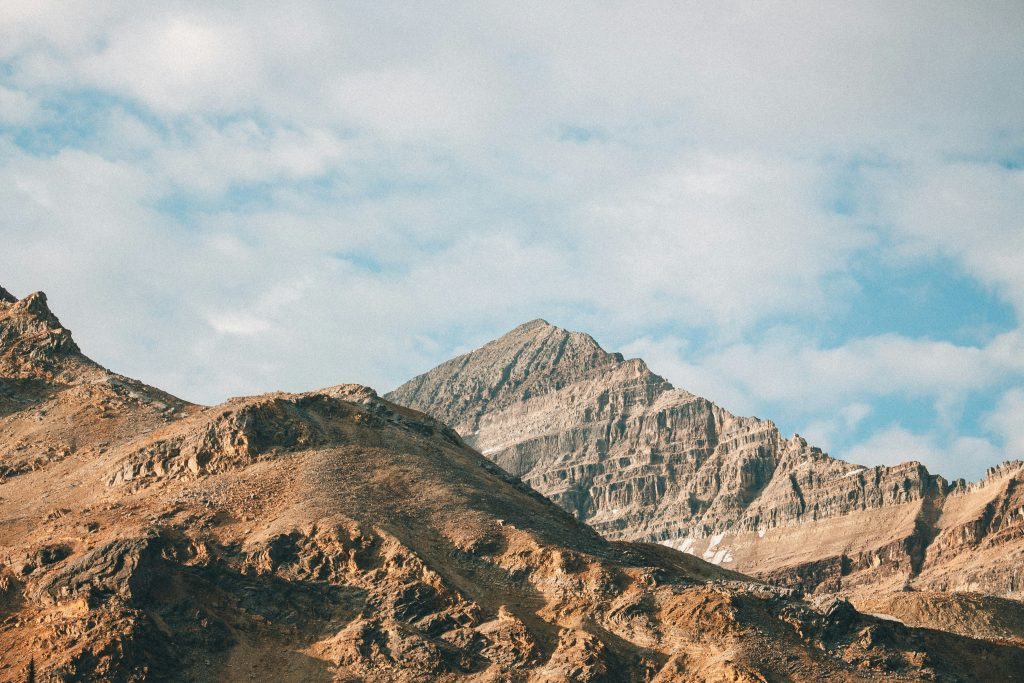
807, 211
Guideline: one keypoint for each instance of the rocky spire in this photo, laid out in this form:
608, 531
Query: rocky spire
34, 343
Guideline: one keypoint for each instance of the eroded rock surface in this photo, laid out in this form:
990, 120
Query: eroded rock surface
335, 536
639, 460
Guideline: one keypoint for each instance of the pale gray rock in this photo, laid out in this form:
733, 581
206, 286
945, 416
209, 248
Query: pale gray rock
639, 460
615, 443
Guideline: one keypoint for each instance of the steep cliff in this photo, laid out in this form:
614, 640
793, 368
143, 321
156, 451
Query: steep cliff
639, 460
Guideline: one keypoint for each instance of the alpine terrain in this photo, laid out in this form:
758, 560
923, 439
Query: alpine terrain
336, 536
639, 460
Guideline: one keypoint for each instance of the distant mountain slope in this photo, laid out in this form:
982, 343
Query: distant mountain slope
637, 459
335, 536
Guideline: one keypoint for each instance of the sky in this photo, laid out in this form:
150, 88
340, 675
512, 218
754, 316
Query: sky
809, 212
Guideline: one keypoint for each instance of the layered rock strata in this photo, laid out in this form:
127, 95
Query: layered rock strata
639, 460
335, 536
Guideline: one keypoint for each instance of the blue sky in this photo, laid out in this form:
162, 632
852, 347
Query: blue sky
810, 212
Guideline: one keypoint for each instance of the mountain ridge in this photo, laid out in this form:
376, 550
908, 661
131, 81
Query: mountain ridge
333, 535
638, 459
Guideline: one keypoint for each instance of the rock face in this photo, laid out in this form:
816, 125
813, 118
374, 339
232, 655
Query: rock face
35, 345
603, 436
54, 401
639, 460
335, 536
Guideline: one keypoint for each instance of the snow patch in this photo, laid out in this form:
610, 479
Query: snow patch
710, 553
721, 556
683, 545
853, 472
886, 617
761, 532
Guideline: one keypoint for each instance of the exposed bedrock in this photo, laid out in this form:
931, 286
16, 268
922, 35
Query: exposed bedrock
637, 459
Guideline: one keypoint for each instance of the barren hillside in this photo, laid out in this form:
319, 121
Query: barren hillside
333, 535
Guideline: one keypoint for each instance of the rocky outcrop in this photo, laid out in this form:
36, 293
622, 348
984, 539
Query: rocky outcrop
333, 535
970, 614
637, 459
55, 402
35, 345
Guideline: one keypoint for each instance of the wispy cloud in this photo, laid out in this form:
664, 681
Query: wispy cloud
227, 198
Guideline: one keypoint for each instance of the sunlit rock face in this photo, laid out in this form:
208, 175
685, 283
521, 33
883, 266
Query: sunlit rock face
335, 536
638, 459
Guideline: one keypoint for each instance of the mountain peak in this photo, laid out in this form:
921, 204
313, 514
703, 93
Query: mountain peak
531, 360
540, 331
34, 343
529, 330
34, 305
536, 323
37, 305
616, 446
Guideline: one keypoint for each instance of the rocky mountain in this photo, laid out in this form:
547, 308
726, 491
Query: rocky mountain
639, 460
336, 536
55, 402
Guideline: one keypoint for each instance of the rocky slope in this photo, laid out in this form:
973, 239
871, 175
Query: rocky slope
639, 460
335, 536
55, 402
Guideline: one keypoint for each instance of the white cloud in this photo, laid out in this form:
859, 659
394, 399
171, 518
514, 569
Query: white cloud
949, 457
238, 323
410, 103
820, 74
1007, 421
408, 191
892, 445
211, 159
732, 238
787, 367
18, 108
828, 430
970, 211
176, 61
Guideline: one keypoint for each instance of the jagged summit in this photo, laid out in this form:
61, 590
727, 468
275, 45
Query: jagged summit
532, 360
536, 323
55, 401
34, 343
36, 302
581, 425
